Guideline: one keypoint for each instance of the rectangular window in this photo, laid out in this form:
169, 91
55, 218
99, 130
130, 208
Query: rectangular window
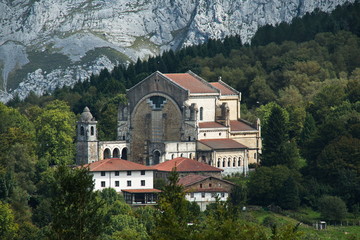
202, 194
142, 182
209, 184
222, 194
200, 185
102, 173
129, 173
213, 195
129, 183
117, 173
117, 183
143, 172
192, 195
102, 183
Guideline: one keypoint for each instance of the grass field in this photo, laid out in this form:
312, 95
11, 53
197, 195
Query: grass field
308, 231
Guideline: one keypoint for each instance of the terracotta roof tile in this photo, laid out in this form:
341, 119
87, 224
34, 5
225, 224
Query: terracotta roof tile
191, 83
190, 179
115, 164
185, 165
224, 89
222, 143
151, 190
240, 126
210, 125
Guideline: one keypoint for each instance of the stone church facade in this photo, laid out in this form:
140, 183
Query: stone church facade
176, 115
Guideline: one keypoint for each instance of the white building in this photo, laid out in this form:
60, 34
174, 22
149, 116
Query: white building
125, 177
205, 190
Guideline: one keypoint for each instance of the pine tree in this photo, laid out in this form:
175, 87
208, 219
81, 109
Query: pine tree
275, 137
289, 197
77, 212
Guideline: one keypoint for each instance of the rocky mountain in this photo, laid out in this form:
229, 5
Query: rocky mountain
46, 44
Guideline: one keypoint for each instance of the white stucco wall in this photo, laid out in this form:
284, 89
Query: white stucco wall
204, 201
205, 133
179, 149
208, 104
135, 179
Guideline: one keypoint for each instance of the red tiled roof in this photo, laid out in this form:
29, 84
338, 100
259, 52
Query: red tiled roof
115, 164
191, 83
224, 90
185, 165
240, 126
222, 143
210, 125
191, 178
152, 190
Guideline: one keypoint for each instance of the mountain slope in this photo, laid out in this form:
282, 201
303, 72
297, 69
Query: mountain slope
46, 44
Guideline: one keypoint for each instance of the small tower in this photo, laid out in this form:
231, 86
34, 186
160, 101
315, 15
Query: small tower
86, 142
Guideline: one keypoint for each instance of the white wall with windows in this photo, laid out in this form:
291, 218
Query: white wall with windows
205, 198
119, 180
206, 107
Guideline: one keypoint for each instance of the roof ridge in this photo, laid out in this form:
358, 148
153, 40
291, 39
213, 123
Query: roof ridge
228, 86
173, 82
203, 81
100, 163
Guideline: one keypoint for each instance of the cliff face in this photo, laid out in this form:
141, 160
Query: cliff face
46, 44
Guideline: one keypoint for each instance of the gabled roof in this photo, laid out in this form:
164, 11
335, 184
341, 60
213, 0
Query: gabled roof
192, 179
185, 165
191, 82
223, 143
224, 88
240, 126
115, 164
210, 125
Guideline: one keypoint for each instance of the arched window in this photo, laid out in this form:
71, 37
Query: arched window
181, 155
92, 131
254, 155
239, 162
172, 156
124, 154
229, 162
82, 131
116, 153
224, 162
190, 155
234, 162
201, 113
107, 153
218, 163
156, 157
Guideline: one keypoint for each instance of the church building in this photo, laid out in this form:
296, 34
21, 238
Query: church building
176, 115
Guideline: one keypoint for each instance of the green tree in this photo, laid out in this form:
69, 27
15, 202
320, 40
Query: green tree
276, 146
8, 227
77, 213
171, 222
289, 197
55, 130
332, 208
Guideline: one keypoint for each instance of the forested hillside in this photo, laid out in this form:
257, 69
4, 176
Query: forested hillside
302, 80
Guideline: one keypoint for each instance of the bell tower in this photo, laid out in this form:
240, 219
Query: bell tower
86, 141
